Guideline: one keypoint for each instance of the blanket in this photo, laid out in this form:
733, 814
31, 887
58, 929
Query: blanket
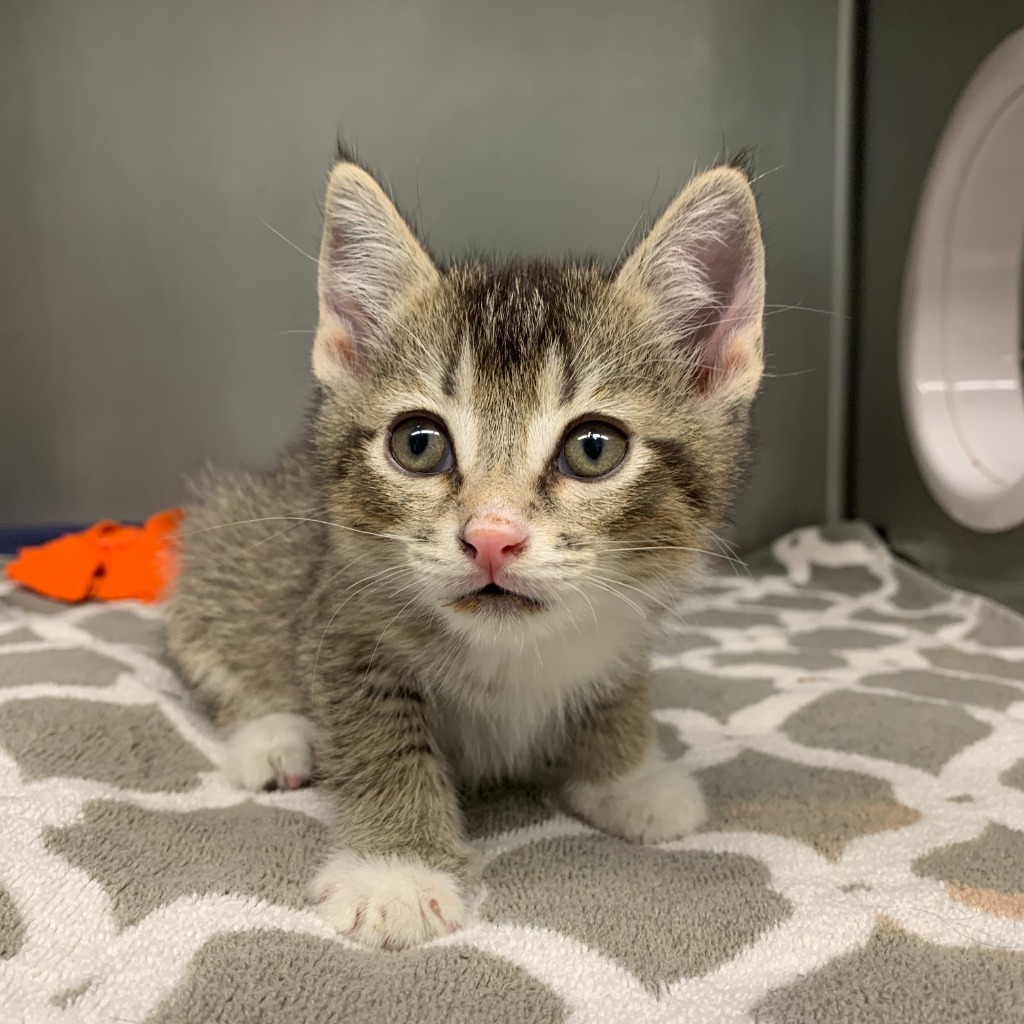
857, 728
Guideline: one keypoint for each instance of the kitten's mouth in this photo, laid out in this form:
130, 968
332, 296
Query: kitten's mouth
495, 599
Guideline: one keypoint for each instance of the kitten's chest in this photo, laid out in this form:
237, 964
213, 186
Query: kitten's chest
502, 712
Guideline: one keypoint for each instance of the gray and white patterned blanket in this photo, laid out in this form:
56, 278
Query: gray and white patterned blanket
858, 730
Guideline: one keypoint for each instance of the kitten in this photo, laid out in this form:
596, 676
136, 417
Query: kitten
454, 578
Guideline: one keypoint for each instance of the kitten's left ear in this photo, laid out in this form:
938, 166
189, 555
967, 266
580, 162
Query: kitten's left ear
703, 265
370, 262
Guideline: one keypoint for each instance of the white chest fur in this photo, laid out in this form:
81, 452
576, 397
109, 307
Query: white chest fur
503, 708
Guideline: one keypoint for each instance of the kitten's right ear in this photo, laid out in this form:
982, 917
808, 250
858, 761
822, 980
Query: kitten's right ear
369, 262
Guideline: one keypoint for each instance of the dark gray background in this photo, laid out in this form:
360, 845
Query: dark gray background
146, 305
916, 69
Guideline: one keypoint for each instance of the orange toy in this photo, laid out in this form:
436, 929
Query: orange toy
107, 562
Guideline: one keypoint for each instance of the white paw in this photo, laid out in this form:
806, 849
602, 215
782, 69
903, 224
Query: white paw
653, 804
272, 752
387, 903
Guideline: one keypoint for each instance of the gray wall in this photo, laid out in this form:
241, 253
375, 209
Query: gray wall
916, 69
147, 308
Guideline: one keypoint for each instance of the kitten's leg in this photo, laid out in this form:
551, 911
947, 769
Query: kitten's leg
268, 743
618, 781
403, 874
271, 752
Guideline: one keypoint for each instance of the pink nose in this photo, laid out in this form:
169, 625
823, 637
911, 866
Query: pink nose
493, 543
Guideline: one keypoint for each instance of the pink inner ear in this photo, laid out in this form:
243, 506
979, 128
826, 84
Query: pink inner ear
703, 265
724, 337
734, 356
340, 344
342, 331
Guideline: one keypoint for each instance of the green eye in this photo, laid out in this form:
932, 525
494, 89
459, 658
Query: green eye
420, 445
591, 450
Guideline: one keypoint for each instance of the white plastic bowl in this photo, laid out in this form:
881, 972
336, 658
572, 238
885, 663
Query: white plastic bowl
961, 324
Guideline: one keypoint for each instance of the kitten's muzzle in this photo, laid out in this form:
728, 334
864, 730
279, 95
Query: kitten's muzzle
496, 600
493, 543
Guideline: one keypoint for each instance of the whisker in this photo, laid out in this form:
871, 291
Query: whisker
305, 519
312, 511
373, 654
281, 334
323, 586
777, 308
601, 585
643, 591
536, 648
583, 594
738, 562
316, 661
283, 238
450, 658
674, 547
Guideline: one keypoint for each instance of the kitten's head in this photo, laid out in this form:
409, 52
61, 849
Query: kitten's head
536, 440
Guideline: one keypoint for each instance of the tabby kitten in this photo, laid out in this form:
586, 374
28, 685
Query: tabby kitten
455, 577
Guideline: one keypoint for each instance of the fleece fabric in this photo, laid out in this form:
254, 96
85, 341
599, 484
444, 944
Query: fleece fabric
857, 728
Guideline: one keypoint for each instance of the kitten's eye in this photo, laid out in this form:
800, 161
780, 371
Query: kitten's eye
420, 445
592, 450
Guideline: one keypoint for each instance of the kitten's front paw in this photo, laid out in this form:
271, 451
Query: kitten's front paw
272, 752
657, 802
388, 903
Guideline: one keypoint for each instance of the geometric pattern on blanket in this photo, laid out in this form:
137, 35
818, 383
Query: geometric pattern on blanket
858, 730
